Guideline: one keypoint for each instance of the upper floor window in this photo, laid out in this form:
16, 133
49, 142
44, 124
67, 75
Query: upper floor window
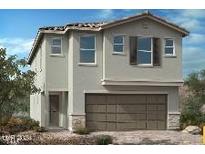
87, 49
144, 51
118, 44
169, 47
56, 46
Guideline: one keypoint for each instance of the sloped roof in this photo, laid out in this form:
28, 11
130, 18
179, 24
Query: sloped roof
98, 26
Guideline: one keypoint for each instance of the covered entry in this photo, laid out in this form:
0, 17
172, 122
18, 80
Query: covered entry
126, 112
57, 109
54, 109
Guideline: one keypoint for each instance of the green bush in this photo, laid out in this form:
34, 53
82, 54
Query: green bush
81, 131
191, 114
104, 140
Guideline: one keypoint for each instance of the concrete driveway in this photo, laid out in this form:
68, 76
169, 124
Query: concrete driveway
153, 137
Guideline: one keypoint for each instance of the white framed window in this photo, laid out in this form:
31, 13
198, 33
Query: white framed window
118, 44
56, 46
144, 51
169, 48
87, 49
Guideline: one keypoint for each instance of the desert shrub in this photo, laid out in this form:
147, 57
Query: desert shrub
81, 131
4, 120
104, 140
17, 124
40, 129
30, 123
2, 142
191, 114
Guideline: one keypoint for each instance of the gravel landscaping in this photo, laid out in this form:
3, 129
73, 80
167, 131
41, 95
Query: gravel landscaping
153, 137
64, 137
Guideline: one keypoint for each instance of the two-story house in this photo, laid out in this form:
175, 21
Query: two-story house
121, 75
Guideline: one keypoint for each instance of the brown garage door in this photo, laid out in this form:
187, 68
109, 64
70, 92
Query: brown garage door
125, 112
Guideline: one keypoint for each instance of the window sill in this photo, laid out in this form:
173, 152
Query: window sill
57, 55
146, 66
170, 56
87, 64
143, 65
118, 53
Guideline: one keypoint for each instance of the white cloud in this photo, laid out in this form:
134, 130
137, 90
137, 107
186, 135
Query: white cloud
16, 45
195, 39
193, 59
106, 14
189, 19
194, 13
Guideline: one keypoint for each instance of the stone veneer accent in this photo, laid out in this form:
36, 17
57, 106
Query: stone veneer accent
76, 121
173, 120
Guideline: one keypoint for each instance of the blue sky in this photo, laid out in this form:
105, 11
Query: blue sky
18, 28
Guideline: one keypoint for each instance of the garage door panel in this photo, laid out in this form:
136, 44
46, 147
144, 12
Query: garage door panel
131, 108
161, 115
111, 126
152, 107
126, 117
152, 116
111, 108
151, 124
141, 124
131, 117
161, 124
130, 99
96, 117
126, 126
96, 108
95, 99
96, 126
111, 99
157, 99
111, 117
161, 107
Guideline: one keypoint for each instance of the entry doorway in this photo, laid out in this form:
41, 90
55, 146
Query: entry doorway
54, 100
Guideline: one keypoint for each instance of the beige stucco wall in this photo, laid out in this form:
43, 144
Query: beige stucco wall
117, 66
38, 66
56, 65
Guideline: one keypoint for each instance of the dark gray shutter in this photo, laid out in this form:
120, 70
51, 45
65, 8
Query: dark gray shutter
133, 49
156, 52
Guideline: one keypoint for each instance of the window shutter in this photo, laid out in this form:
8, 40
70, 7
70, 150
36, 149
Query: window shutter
133, 49
156, 52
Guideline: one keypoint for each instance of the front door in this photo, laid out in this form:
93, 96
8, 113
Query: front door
54, 110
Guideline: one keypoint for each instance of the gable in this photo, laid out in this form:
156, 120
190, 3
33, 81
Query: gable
146, 15
142, 27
